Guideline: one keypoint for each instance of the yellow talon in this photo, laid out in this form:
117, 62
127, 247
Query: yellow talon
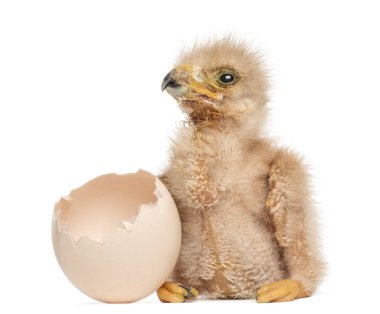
167, 296
280, 291
175, 288
194, 291
175, 293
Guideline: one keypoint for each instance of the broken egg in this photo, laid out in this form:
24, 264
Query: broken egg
117, 238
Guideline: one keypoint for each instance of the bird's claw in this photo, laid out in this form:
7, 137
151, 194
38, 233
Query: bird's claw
176, 293
280, 291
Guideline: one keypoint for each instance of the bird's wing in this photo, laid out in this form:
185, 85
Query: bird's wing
291, 208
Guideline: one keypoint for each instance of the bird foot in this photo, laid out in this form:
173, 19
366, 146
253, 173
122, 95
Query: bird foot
175, 293
281, 291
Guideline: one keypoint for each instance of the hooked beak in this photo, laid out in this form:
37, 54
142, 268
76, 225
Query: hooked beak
186, 80
175, 83
169, 81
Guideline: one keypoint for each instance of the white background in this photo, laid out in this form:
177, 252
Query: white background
80, 96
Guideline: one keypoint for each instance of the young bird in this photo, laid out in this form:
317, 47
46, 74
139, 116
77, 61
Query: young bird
247, 224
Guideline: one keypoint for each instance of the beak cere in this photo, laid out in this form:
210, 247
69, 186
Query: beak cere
169, 81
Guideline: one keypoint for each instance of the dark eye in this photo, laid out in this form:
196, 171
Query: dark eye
227, 78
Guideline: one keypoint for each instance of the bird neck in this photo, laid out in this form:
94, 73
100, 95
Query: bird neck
223, 137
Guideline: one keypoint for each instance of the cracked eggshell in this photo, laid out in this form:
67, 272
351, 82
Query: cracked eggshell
117, 238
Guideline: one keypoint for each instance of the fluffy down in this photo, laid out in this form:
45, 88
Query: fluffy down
245, 206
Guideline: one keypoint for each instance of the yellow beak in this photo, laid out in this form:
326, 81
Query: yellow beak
189, 80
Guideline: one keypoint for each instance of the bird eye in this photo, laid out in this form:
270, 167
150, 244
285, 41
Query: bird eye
227, 78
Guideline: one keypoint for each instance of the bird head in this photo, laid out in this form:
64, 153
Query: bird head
218, 82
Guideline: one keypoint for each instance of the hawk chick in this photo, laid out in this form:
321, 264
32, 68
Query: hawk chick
246, 213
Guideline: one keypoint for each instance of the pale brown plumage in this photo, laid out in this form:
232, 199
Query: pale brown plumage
247, 217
